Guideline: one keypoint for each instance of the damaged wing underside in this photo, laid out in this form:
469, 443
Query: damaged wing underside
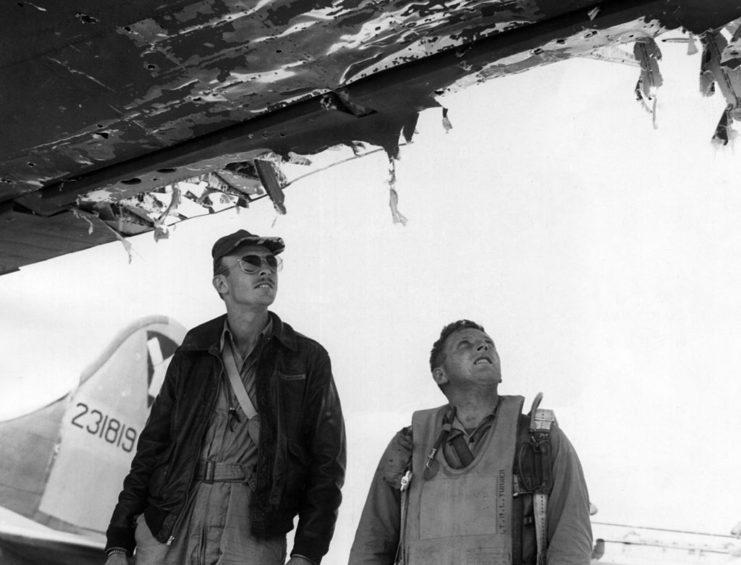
118, 116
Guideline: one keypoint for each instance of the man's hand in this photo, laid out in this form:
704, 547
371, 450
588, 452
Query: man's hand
297, 560
117, 559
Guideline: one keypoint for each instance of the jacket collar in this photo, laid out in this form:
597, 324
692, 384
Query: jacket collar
207, 336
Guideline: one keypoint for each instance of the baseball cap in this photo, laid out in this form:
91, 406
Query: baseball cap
228, 243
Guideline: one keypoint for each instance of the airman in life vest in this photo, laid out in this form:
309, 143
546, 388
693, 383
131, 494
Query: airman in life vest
475, 482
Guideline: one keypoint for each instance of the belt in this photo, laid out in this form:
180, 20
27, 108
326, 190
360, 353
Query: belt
213, 472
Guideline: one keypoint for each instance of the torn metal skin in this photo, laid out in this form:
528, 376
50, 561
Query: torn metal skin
120, 100
721, 66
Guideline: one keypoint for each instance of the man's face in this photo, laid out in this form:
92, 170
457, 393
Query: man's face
247, 284
470, 359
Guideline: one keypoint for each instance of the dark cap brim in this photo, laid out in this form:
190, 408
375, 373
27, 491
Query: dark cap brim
230, 243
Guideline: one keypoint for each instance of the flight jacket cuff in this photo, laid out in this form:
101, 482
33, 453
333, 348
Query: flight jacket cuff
310, 550
120, 537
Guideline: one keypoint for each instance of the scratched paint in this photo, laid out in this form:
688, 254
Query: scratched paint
585, 43
272, 77
150, 77
144, 33
193, 11
217, 62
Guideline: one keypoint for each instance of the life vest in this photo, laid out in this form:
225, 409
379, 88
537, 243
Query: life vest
463, 516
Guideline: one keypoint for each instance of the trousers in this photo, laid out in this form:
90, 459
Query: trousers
224, 540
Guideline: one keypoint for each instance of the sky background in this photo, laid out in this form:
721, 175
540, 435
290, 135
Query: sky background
601, 254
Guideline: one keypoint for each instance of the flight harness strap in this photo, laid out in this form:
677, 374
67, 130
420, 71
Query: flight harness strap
517, 518
541, 421
400, 558
241, 392
430, 470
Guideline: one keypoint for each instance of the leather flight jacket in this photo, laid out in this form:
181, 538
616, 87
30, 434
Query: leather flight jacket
301, 452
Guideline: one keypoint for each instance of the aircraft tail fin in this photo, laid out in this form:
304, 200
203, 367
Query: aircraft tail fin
67, 461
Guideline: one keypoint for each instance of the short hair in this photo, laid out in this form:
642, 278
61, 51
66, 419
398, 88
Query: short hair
437, 355
220, 268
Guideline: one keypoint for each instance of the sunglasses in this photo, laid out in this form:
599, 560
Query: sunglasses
250, 264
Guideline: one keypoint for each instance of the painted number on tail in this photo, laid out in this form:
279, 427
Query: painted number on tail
100, 425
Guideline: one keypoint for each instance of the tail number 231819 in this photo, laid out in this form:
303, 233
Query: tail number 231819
100, 425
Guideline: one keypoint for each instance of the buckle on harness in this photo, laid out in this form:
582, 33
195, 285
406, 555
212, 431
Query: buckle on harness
209, 472
534, 456
534, 463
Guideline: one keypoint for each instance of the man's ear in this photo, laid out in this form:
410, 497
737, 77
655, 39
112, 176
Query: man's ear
439, 376
219, 282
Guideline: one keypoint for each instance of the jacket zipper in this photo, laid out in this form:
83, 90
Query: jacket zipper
184, 508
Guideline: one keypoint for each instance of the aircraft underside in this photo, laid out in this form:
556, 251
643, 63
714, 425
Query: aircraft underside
22, 551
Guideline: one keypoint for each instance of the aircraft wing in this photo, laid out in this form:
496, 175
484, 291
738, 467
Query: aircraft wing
105, 104
23, 542
621, 544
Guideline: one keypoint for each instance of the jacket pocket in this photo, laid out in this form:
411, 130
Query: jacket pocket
292, 399
294, 492
157, 481
292, 376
